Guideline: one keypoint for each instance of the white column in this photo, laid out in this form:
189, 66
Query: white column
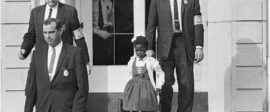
89, 40
268, 53
1, 47
139, 17
84, 8
219, 55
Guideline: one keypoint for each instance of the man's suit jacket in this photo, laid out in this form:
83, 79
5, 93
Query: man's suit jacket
68, 16
160, 17
68, 90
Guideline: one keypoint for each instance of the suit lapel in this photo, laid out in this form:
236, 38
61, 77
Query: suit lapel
168, 6
60, 11
60, 61
41, 14
167, 11
40, 20
44, 64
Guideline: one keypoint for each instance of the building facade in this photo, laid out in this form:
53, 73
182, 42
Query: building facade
233, 77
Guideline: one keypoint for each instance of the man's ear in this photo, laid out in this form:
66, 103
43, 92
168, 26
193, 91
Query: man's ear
63, 28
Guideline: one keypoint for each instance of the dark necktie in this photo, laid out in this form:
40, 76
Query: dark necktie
52, 61
100, 16
50, 13
176, 18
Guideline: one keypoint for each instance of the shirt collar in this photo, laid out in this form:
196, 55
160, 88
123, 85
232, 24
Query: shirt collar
138, 59
54, 8
57, 47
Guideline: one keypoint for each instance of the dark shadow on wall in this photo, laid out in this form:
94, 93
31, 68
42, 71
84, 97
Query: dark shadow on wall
240, 75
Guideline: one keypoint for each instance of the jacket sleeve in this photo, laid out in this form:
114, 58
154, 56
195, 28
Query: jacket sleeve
198, 24
31, 87
81, 95
79, 37
152, 24
29, 38
160, 75
130, 62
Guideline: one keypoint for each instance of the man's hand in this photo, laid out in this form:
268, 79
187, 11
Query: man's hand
150, 53
103, 34
20, 54
199, 55
88, 67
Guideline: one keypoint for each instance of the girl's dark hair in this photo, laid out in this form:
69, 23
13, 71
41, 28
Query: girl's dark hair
141, 40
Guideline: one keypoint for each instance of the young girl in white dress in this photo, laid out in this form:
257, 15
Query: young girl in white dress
141, 91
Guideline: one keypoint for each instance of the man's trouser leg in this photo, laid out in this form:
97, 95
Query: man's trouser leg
184, 73
184, 70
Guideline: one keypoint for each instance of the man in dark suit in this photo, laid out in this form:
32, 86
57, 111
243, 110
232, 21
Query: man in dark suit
57, 79
179, 43
53, 9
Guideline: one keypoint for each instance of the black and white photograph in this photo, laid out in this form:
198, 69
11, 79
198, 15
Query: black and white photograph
134, 56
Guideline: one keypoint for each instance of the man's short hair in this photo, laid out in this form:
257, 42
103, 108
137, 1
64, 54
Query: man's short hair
55, 20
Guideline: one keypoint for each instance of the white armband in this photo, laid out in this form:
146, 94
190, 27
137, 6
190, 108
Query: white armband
199, 47
185, 1
78, 33
198, 20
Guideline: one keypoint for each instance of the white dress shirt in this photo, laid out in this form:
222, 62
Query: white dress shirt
107, 14
179, 2
58, 49
139, 62
54, 11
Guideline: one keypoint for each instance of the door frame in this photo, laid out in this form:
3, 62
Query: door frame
1, 57
268, 51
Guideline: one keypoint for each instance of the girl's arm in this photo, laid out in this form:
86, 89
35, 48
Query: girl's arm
160, 75
130, 62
